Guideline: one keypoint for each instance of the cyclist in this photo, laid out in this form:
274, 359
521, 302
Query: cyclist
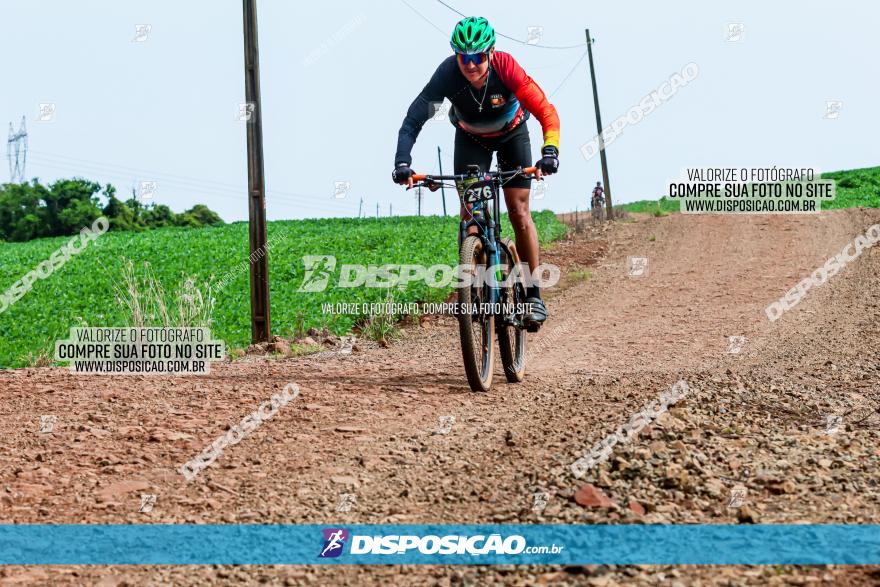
598, 198
597, 201
492, 97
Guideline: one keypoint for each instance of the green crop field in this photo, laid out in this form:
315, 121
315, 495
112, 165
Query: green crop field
855, 187
82, 291
662, 206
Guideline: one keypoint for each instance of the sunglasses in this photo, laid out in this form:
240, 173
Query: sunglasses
475, 58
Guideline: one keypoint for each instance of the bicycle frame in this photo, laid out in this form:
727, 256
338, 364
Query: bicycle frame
487, 222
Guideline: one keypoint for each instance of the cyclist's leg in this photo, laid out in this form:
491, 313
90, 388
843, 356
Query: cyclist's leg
470, 150
515, 151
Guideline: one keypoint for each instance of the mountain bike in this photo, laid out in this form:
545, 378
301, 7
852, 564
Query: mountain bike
492, 292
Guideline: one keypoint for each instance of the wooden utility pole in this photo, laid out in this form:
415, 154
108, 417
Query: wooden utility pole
377, 209
609, 207
442, 189
361, 207
259, 258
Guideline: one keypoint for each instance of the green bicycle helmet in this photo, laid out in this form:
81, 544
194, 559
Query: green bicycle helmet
473, 34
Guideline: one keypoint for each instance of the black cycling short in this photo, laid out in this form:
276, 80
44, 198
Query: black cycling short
514, 150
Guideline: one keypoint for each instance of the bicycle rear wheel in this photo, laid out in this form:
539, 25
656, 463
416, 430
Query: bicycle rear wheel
511, 334
475, 327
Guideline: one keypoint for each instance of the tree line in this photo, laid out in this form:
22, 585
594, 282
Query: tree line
33, 210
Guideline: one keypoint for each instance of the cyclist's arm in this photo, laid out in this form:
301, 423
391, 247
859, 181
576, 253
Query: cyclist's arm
421, 109
529, 95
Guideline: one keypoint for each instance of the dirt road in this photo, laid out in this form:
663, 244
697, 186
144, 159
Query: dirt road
788, 410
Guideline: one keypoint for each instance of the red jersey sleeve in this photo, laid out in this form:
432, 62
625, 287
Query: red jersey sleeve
529, 94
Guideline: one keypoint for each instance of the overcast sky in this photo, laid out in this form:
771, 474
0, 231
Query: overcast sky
337, 77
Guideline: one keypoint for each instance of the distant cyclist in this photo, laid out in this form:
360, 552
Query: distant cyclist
492, 97
597, 201
598, 195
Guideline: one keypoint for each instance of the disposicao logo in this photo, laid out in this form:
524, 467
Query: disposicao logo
476, 545
317, 272
334, 541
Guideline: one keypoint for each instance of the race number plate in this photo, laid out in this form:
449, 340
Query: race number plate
475, 190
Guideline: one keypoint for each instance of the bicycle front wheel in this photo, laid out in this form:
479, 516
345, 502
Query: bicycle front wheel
475, 325
511, 334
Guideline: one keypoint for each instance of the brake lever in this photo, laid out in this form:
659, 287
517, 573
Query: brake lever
425, 184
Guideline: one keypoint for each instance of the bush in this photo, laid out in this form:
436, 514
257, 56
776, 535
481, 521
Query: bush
32, 210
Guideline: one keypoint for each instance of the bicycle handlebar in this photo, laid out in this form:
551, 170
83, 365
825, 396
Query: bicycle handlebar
499, 174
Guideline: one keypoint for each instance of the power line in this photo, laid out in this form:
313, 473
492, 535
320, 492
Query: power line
150, 173
500, 34
425, 18
314, 210
568, 75
564, 80
315, 204
191, 186
205, 186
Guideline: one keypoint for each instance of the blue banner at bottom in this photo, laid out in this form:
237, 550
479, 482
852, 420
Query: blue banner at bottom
179, 544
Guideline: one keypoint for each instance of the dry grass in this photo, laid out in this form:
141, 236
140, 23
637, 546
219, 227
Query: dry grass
40, 359
146, 303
